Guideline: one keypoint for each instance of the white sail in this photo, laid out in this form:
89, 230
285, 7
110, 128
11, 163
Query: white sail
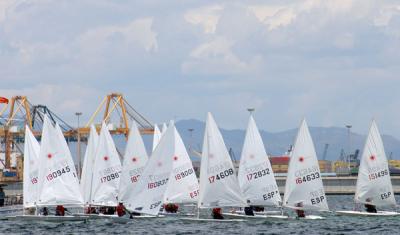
58, 181
373, 183
183, 186
31, 163
106, 171
219, 185
147, 196
256, 178
135, 160
88, 164
156, 137
304, 186
164, 128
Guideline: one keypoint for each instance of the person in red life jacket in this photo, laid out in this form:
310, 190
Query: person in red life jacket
300, 213
60, 210
121, 209
171, 208
217, 213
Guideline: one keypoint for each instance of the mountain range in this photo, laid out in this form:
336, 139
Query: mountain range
277, 143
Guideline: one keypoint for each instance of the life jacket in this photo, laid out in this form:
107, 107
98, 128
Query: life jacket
120, 210
60, 211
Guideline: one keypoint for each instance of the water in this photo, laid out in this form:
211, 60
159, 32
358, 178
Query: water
331, 225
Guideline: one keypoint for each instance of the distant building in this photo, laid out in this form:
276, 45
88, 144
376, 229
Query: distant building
280, 164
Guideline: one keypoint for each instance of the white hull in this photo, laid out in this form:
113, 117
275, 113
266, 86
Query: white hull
241, 212
212, 220
50, 218
255, 216
312, 217
364, 213
176, 214
116, 218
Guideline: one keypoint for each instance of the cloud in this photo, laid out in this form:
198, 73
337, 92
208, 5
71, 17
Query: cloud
332, 61
207, 17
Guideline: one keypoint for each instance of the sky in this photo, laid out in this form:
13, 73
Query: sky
334, 62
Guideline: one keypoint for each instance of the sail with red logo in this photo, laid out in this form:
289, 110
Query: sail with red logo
183, 186
135, 159
58, 181
374, 186
148, 195
304, 189
106, 171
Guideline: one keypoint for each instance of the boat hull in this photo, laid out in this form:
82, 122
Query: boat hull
256, 216
363, 213
49, 218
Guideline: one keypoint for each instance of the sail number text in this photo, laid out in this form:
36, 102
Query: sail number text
257, 174
109, 177
306, 178
156, 184
183, 174
221, 175
58, 173
377, 175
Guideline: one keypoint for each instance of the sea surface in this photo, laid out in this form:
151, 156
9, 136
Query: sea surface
332, 224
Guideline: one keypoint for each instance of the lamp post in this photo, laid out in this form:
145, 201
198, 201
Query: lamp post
251, 110
191, 139
78, 114
348, 144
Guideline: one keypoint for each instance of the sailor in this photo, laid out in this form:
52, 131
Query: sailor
60, 210
121, 209
171, 208
45, 211
249, 211
217, 213
300, 213
2, 197
370, 208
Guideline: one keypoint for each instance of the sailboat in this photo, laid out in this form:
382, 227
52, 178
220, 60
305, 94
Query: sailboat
156, 137
148, 195
135, 160
106, 171
256, 178
88, 164
304, 189
31, 164
57, 178
374, 186
183, 186
219, 186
